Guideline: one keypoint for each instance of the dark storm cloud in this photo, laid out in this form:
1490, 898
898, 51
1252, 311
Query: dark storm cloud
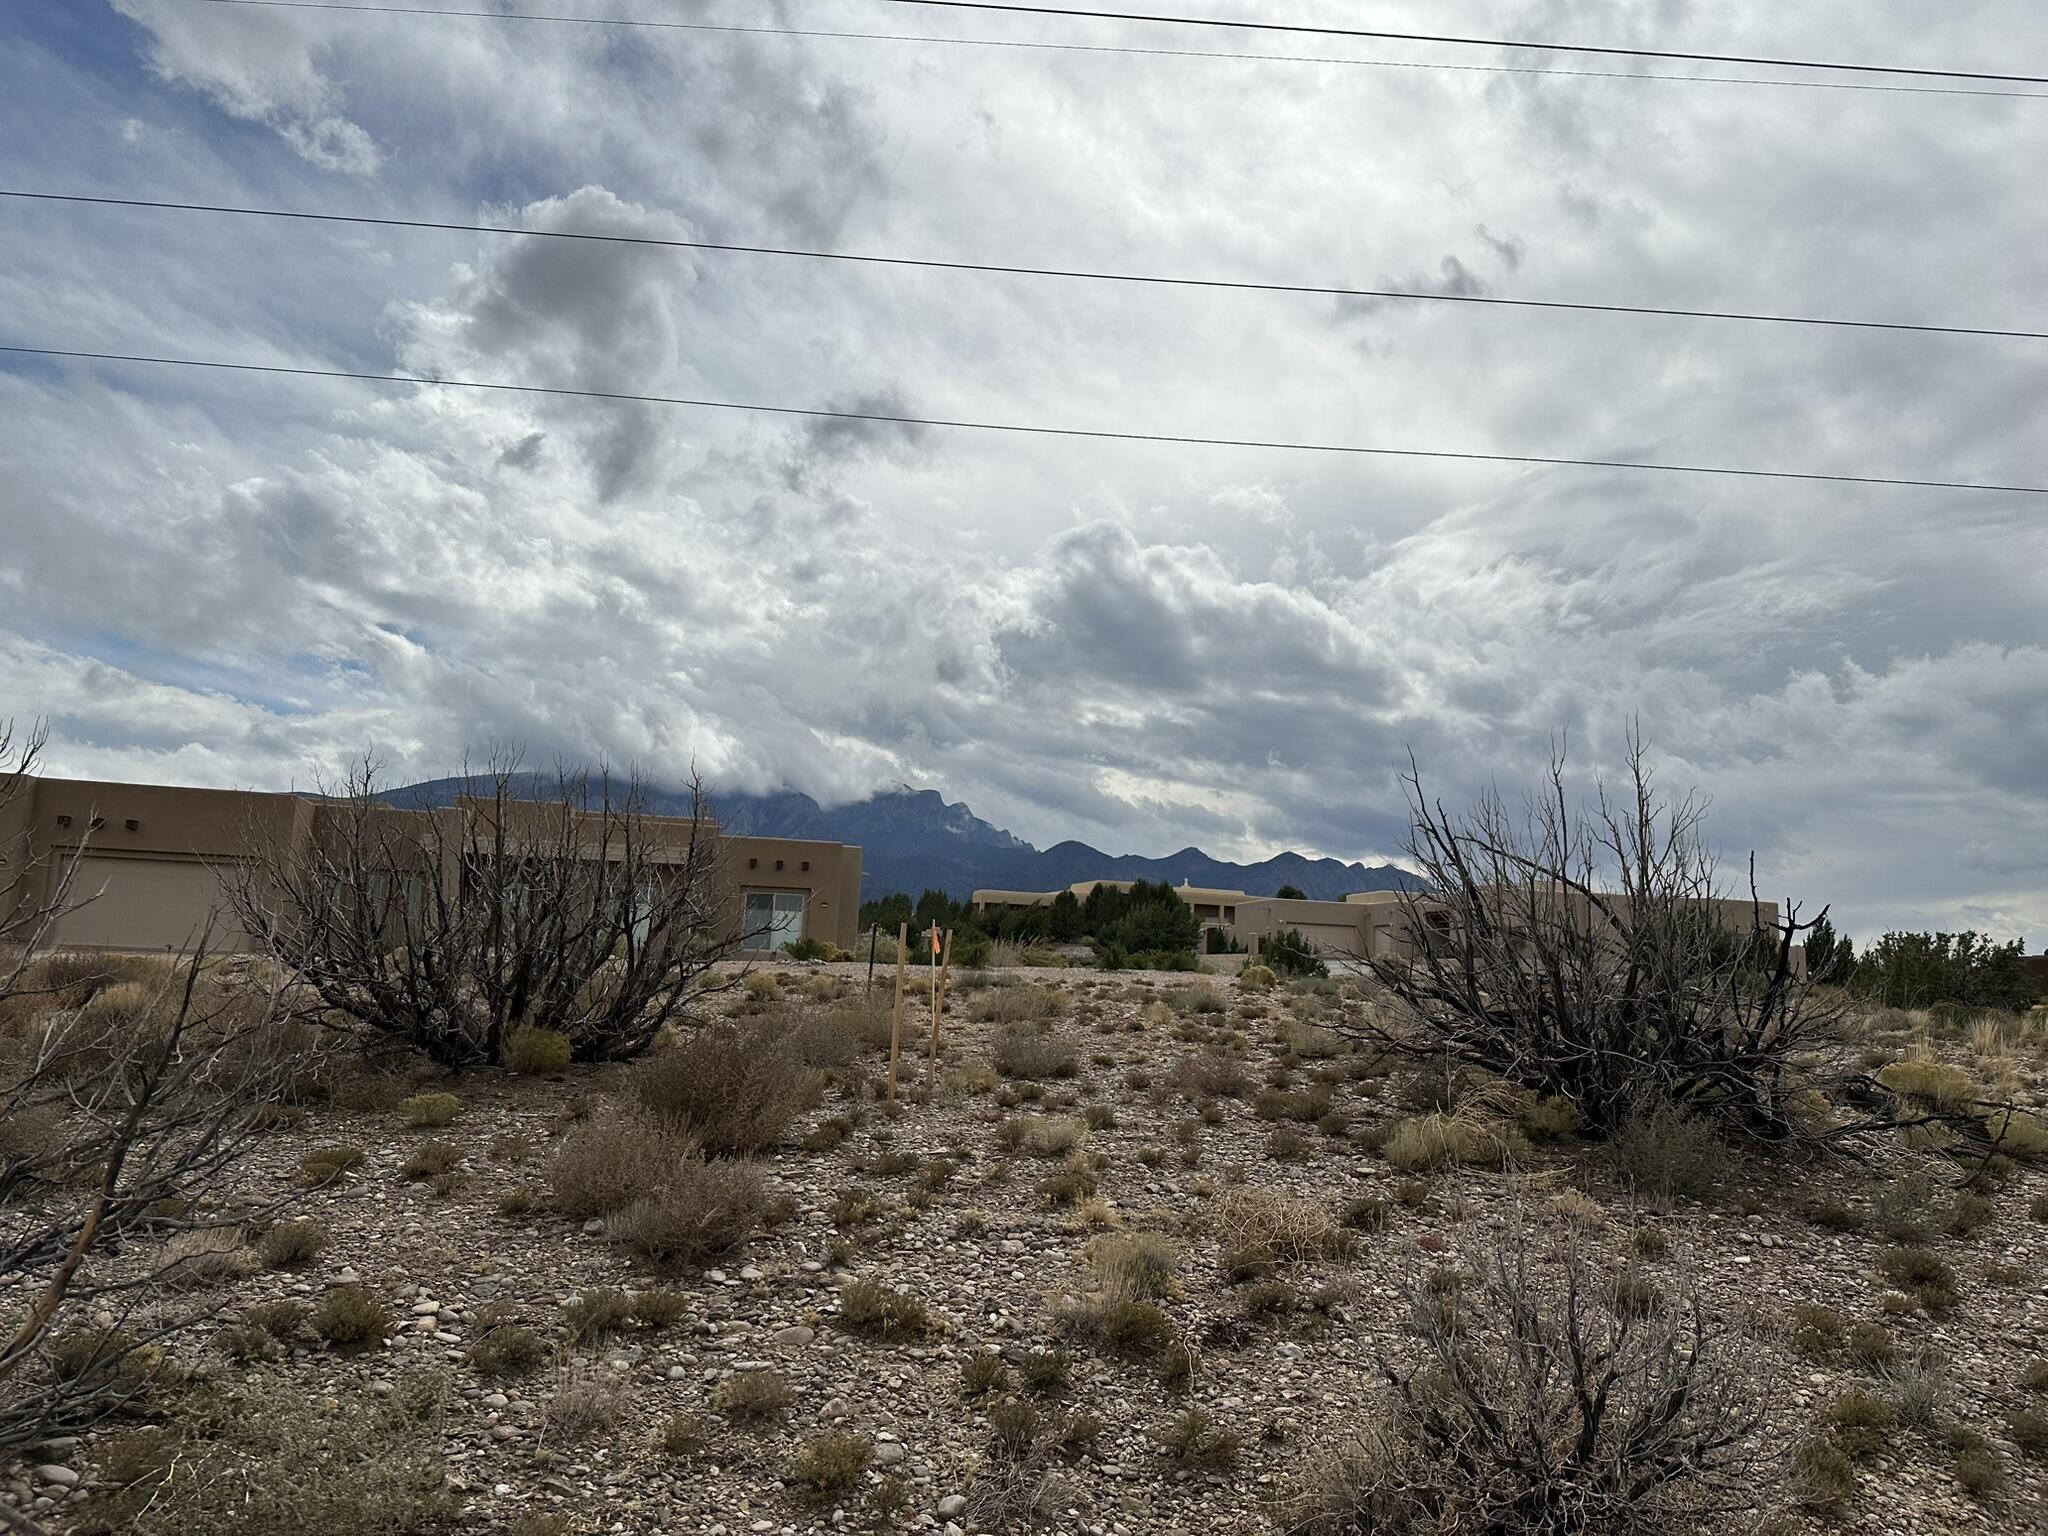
1143, 646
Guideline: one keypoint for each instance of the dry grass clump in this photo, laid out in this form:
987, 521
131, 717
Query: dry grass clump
1210, 1075
582, 1404
1668, 1151
1194, 1439
1034, 1055
1257, 1229
351, 1318
1454, 1140
206, 1256
611, 1160
326, 1165
659, 1196
427, 1111
752, 1395
734, 1089
431, 1159
881, 1311
1305, 1105
1042, 1135
1200, 998
703, 1210
1134, 1266
274, 1463
1257, 978
1017, 1005
831, 1462
291, 1243
1931, 1082
536, 1052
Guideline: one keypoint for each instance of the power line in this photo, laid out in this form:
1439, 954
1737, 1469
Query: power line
960, 424
1304, 30
1234, 285
1112, 48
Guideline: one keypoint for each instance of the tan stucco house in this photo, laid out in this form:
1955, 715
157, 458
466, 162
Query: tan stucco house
149, 861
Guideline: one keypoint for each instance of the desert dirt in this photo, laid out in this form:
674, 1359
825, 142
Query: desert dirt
988, 1254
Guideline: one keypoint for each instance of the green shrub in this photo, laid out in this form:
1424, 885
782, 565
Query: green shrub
1289, 954
537, 1052
1862, 1423
597, 1314
426, 1111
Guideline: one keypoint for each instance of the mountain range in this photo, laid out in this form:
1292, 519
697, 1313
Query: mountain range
914, 840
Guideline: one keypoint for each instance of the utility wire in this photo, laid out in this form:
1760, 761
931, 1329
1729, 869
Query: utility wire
1172, 53
1002, 269
1301, 29
960, 424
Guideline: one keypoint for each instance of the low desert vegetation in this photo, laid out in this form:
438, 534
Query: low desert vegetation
1287, 1252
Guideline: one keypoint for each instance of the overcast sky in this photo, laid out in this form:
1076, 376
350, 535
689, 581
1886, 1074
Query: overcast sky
241, 580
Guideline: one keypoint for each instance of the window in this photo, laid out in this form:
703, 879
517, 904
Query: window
771, 919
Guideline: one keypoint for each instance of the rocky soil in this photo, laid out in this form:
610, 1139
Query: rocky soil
987, 1253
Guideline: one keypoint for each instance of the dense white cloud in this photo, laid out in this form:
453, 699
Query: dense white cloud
244, 580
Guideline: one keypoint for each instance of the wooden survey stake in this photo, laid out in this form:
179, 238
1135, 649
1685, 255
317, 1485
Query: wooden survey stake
931, 1063
896, 1020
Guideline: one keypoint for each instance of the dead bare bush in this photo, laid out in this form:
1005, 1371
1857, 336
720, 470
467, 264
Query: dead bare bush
1539, 1406
562, 906
1658, 991
127, 1123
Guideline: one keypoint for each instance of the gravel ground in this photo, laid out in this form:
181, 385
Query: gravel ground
1283, 1384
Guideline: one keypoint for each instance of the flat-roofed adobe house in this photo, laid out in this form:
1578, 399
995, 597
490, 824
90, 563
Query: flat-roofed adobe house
1364, 925
150, 858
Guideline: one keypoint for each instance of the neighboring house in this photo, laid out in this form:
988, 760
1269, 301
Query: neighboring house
149, 860
1364, 925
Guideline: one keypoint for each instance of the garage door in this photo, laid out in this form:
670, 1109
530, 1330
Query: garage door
144, 904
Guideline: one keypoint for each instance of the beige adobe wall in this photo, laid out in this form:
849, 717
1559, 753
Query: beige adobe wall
820, 872
156, 884
149, 858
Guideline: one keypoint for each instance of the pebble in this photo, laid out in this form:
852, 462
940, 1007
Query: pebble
793, 1337
951, 1505
56, 1476
888, 1453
